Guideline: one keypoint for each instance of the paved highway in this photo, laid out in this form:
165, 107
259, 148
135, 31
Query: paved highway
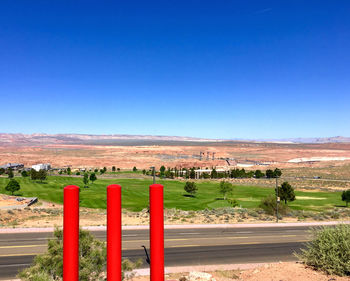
197, 246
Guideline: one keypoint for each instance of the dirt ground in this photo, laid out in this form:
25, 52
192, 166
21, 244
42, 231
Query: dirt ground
46, 214
288, 271
7, 201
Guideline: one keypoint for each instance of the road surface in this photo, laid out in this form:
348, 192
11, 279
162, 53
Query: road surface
197, 246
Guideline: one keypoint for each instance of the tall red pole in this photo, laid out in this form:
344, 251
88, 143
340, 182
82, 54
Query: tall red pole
71, 233
157, 232
114, 233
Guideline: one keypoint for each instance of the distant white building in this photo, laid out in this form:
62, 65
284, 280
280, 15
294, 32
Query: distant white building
39, 167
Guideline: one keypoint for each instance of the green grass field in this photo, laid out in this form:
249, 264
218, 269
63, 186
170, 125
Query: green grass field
135, 194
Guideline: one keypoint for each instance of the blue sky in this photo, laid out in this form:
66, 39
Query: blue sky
216, 69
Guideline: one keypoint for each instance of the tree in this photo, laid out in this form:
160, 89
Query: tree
24, 174
113, 169
118, 169
69, 171
346, 196
214, 174
10, 173
191, 188
93, 177
134, 169
286, 192
192, 174
104, 169
269, 174
2, 171
86, 179
259, 174
225, 187
33, 174
277, 173
12, 186
162, 170
96, 170
144, 171
42, 175
168, 174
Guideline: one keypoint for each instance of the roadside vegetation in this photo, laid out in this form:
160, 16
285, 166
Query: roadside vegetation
329, 250
92, 260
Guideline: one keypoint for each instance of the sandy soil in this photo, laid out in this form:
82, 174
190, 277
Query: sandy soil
45, 214
6, 201
60, 155
289, 271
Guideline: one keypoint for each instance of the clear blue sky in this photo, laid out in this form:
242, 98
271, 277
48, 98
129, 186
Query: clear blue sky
218, 69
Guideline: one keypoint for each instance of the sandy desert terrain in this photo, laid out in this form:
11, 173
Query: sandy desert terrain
143, 153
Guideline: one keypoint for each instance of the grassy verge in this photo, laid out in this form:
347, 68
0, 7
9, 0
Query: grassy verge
135, 194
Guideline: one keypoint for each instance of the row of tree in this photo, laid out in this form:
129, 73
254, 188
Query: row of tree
37, 175
214, 174
68, 171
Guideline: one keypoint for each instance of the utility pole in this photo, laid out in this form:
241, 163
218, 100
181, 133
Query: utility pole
153, 174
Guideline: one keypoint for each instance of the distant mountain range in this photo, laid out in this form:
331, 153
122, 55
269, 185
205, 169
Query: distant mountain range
337, 139
34, 139
85, 139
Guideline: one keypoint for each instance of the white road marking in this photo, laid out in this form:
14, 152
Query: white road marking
18, 264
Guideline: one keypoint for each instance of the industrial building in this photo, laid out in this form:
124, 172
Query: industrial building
39, 167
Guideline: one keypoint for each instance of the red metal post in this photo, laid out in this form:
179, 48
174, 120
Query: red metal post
114, 233
157, 231
71, 233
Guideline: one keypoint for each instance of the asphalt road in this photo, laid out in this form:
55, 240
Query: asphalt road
182, 246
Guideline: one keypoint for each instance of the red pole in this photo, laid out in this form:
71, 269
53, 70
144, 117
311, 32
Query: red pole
157, 232
71, 233
114, 233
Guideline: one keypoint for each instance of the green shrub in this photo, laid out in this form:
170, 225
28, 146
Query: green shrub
268, 204
92, 260
329, 251
233, 202
253, 213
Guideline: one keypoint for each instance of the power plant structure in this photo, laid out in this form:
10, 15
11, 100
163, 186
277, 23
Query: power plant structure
202, 155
